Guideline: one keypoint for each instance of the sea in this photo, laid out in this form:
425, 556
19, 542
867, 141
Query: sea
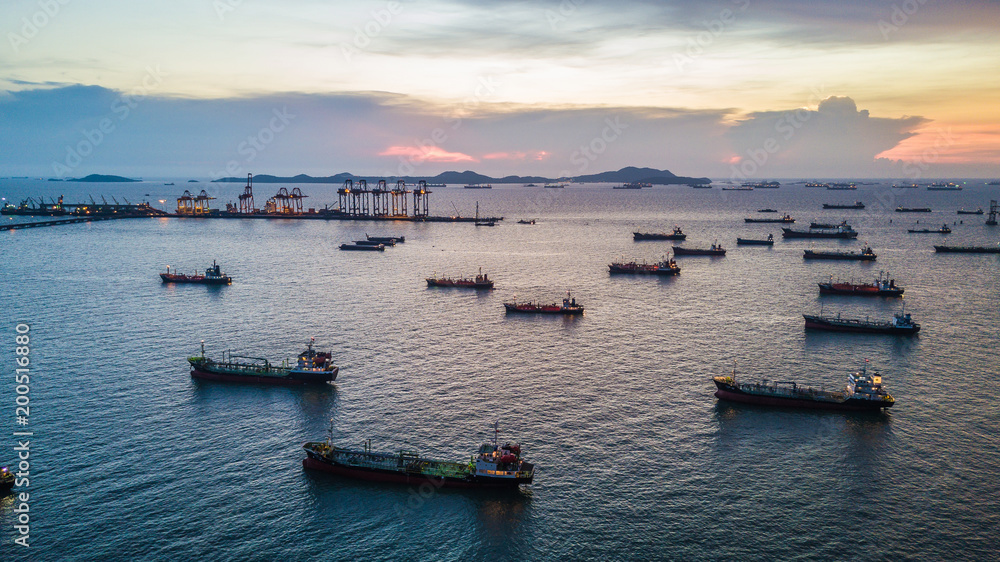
128, 457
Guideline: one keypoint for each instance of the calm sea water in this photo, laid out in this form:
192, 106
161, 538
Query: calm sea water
636, 459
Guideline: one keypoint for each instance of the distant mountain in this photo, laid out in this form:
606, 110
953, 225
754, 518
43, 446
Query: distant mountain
103, 178
629, 174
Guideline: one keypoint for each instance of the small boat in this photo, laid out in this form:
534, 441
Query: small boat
943, 230
978, 211
522, 221
913, 209
967, 249
363, 247
568, 306
863, 392
855, 205
374, 243
881, 287
386, 239
767, 211
494, 466
312, 367
479, 186
6, 480
665, 267
783, 219
213, 276
901, 324
715, 250
839, 232
754, 242
866, 254
678, 234
481, 281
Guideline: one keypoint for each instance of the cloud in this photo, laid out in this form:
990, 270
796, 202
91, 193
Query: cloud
426, 154
834, 140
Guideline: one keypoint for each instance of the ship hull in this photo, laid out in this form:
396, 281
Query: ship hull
783, 221
198, 280
291, 379
390, 476
464, 285
858, 291
646, 236
752, 242
851, 405
542, 309
837, 256
644, 271
678, 251
967, 249
789, 233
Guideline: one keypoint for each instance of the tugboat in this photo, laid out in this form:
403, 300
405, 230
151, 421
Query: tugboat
665, 267
840, 232
569, 306
678, 234
783, 219
855, 205
866, 255
863, 392
753, 242
494, 466
943, 230
212, 276
6, 480
881, 287
312, 367
481, 281
901, 324
715, 250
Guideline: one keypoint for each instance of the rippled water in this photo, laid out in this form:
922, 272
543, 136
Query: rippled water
636, 458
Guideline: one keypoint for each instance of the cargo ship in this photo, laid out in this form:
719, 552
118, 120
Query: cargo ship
943, 230
855, 205
678, 234
901, 324
754, 242
363, 247
213, 276
967, 249
863, 392
665, 267
312, 367
783, 219
949, 186
481, 281
715, 250
568, 306
828, 226
839, 232
866, 254
913, 209
386, 239
880, 287
494, 466
978, 211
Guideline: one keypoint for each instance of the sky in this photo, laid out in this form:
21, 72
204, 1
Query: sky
730, 89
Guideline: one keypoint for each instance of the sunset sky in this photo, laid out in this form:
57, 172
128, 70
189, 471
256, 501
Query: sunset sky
726, 89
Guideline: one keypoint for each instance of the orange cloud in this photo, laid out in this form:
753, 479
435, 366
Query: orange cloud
517, 155
427, 154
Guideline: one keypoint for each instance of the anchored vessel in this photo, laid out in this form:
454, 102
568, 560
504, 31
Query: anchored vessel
494, 466
678, 234
212, 276
978, 211
312, 367
866, 255
715, 250
840, 232
863, 392
373, 247
968, 249
943, 230
568, 306
665, 267
901, 324
855, 205
481, 281
913, 209
784, 219
386, 239
754, 242
880, 287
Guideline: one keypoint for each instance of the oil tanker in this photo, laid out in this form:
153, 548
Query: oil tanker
312, 367
863, 392
494, 466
